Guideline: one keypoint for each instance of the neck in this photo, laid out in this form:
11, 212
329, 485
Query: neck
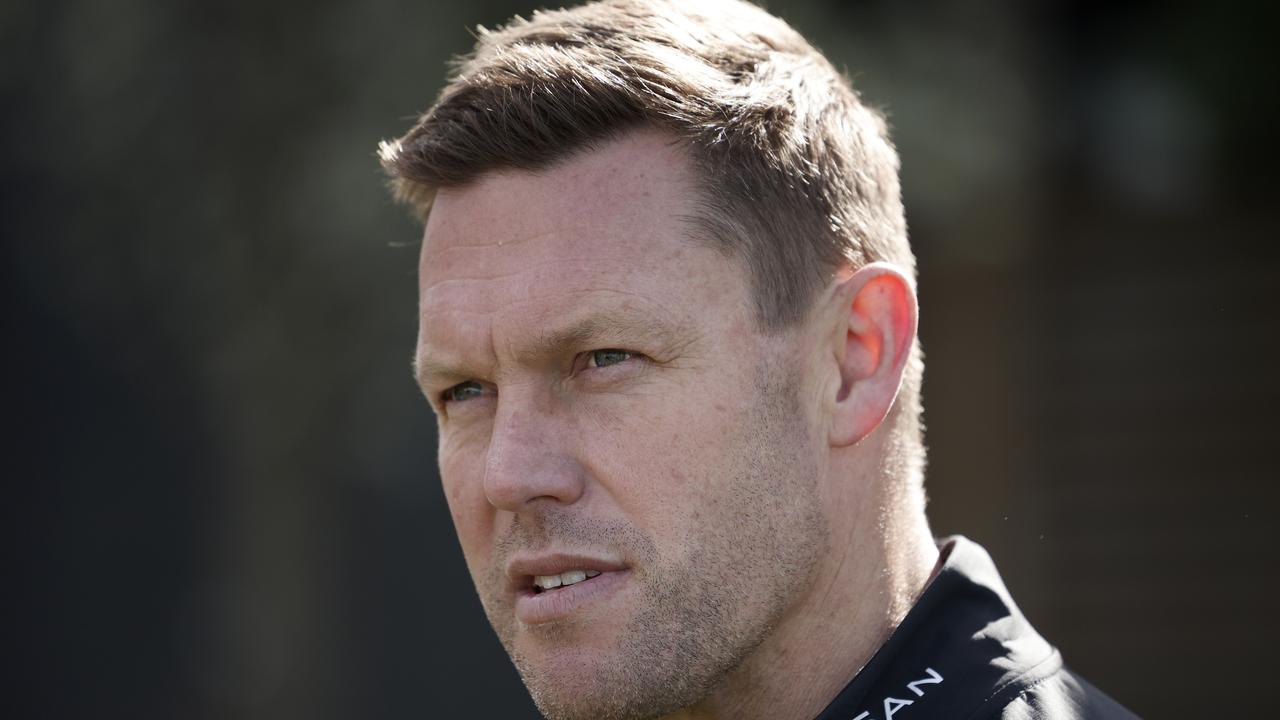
881, 558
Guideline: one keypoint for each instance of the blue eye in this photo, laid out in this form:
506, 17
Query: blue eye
463, 391
604, 358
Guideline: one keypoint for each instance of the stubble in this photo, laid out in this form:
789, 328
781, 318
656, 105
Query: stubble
703, 613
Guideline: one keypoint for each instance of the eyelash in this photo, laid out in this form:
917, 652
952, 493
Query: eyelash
629, 355
447, 396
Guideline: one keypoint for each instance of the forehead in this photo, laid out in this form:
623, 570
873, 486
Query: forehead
606, 229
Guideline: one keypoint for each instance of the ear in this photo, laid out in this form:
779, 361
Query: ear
875, 315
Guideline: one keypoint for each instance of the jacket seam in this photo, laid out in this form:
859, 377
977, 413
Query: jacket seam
1054, 659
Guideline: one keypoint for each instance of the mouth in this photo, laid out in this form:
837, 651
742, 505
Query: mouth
557, 587
548, 583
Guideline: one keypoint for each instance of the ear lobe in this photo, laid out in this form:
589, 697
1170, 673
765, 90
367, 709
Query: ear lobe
877, 315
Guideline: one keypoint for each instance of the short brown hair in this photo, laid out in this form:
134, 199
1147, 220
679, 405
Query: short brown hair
799, 177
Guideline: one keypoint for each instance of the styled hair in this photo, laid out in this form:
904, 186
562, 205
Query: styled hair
797, 176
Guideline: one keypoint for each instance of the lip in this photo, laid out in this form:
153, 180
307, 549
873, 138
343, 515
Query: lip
534, 608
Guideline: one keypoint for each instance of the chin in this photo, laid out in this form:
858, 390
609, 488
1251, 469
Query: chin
575, 673
616, 703
582, 678
572, 683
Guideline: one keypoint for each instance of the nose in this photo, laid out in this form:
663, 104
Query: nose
528, 458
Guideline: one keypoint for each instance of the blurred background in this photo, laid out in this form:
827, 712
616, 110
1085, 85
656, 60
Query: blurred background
223, 494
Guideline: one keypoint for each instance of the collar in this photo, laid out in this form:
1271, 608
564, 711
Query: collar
964, 645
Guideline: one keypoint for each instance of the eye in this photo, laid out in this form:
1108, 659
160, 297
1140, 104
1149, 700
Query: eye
463, 391
609, 356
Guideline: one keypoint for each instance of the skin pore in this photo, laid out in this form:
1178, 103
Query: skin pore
606, 402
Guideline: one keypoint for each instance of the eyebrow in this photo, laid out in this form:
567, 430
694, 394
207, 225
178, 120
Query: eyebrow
597, 328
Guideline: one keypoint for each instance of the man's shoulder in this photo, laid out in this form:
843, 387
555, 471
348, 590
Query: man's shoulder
1060, 696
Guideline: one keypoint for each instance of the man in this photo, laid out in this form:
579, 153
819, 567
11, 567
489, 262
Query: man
668, 326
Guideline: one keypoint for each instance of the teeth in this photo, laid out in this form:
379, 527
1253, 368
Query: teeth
569, 577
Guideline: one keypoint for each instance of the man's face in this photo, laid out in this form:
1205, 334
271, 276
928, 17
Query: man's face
612, 422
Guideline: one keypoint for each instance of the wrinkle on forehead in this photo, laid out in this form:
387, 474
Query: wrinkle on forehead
516, 253
497, 242
627, 182
502, 315
574, 249
491, 293
506, 334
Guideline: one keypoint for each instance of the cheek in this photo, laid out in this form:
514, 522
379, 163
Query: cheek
460, 476
668, 460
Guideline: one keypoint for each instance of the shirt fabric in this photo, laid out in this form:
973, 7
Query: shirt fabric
965, 652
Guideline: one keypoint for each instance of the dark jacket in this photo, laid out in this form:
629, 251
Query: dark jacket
965, 652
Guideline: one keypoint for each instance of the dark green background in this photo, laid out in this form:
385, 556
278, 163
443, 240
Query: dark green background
224, 497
